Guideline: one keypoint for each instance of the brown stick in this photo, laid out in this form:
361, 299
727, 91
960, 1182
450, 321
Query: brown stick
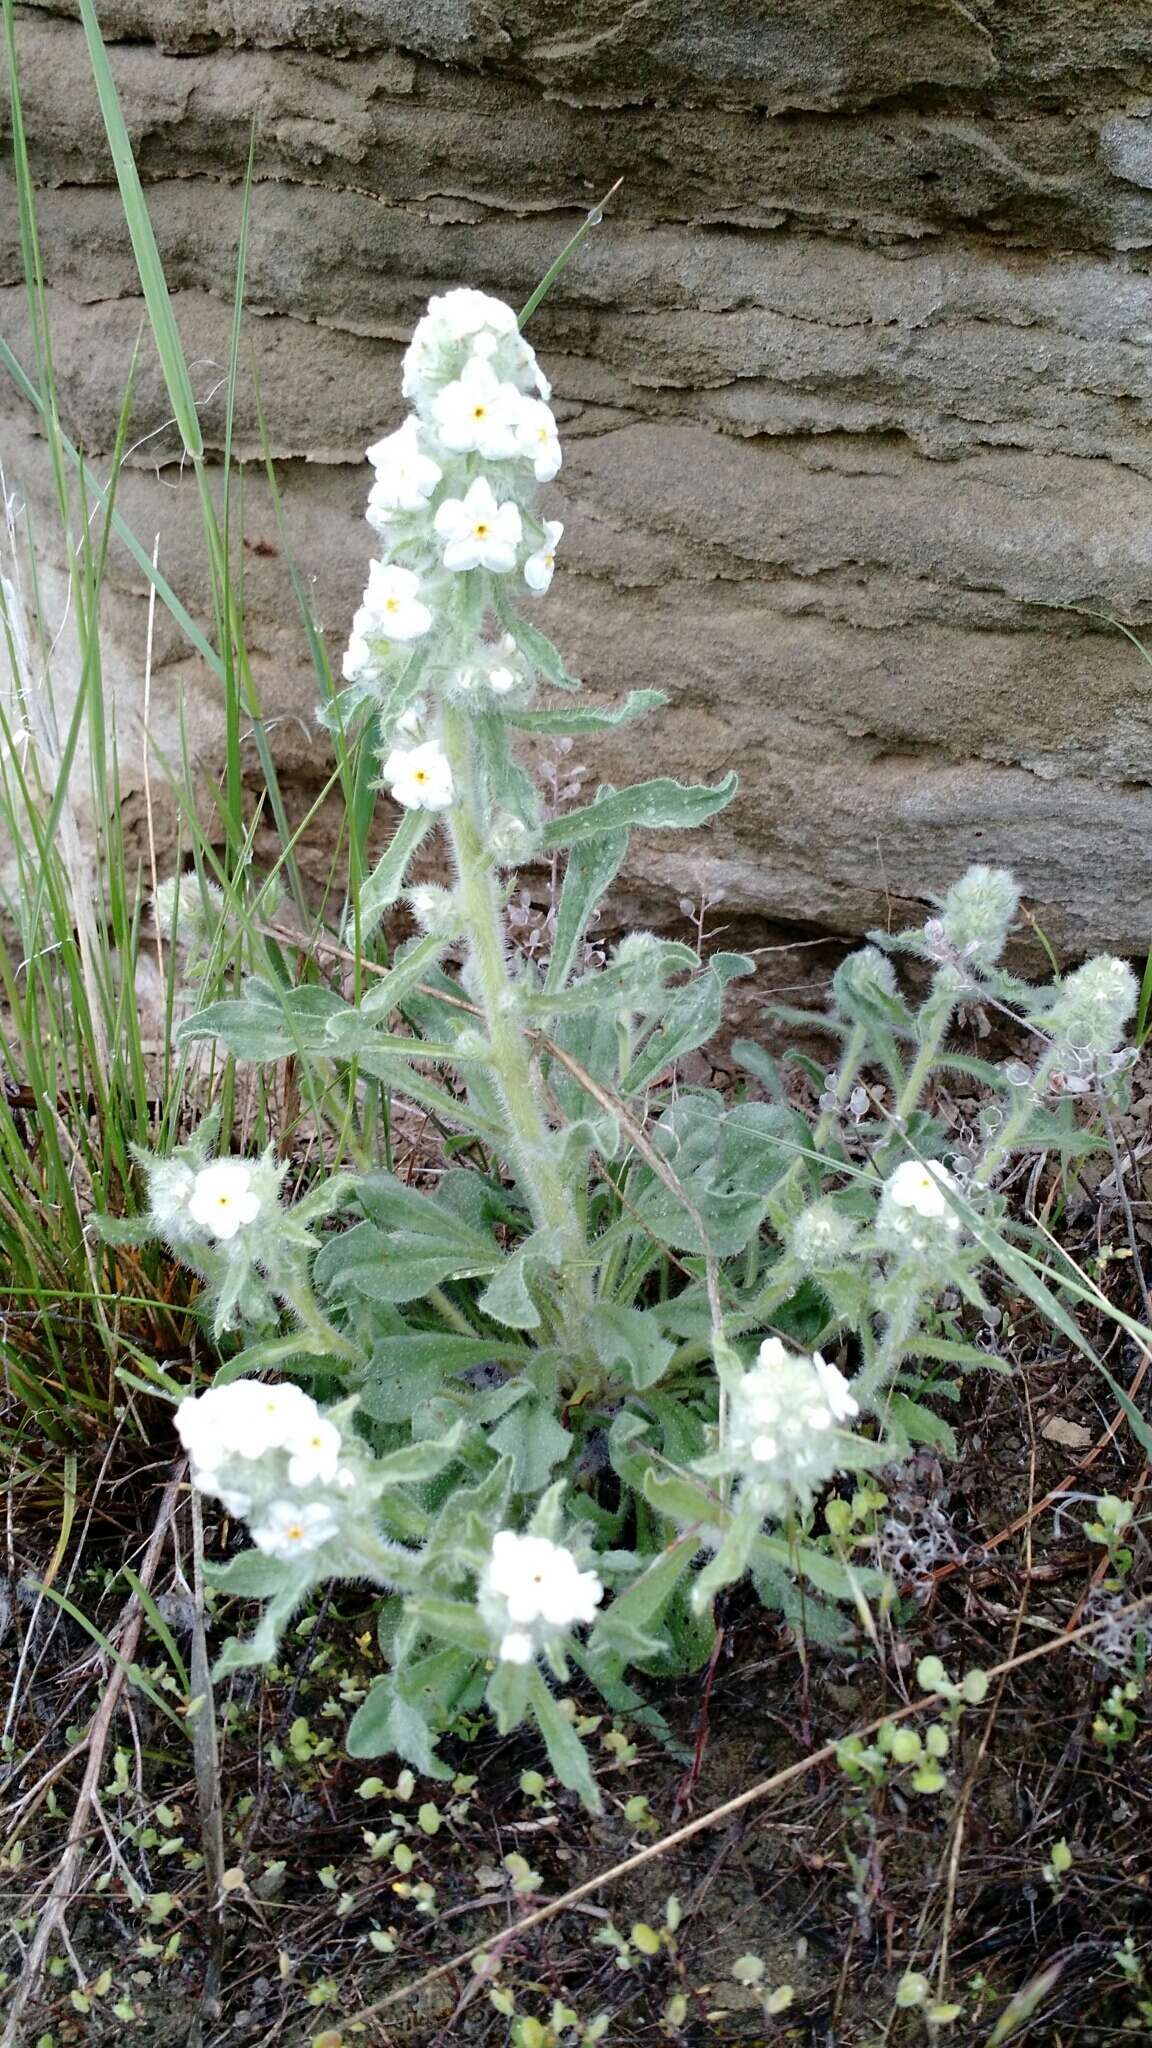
68, 1869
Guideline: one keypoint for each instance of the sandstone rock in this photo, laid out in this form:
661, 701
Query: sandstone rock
855, 386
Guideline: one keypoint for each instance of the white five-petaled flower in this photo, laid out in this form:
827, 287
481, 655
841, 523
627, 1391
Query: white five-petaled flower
287, 1530
222, 1199
477, 532
921, 1187
478, 412
540, 567
392, 604
532, 1589
537, 439
405, 476
315, 1454
420, 777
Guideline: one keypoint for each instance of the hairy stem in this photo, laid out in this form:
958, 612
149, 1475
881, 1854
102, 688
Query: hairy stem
532, 1148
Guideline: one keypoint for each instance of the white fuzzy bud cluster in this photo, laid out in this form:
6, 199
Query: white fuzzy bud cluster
269, 1454
531, 1592
1092, 1007
863, 980
217, 1202
822, 1237
916, 1215
784, 1420
454, 495
977, 915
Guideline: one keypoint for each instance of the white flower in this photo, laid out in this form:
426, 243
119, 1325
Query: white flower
478, 412
405, 476
392, 605
286, 1530
465, 312
530, 1590
170, 1185
315, 1454
222, 1199
920, 1187
360, 663
500, 680
275, 1418
410, 724
244, 1419
537, 439
835, 1389
783, 1420
237, 1504
540, 567
477, 532
420, 777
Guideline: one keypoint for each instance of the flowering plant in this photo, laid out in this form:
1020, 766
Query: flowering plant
549, 1422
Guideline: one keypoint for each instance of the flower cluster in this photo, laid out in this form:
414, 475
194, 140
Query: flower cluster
259, 1449
1092, 1007
452, 497
531, 1592
785, 1416
215, 1202
918, 1212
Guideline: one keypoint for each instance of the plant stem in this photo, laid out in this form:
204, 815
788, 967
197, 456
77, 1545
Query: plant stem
937, 1014
1016, 1121
882, 1367
326, 1342
532, 1145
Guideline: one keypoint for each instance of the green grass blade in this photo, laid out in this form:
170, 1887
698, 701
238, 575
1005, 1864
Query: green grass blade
153, 284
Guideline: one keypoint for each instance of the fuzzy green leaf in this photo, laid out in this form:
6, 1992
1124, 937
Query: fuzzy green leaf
385, 1724
531, 1436
581, 718
631, 1338
267, 1022
660, 805
592, 867
385, 882
566, 1752
534, 645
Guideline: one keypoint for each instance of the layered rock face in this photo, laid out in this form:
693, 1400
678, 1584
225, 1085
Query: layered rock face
854, 383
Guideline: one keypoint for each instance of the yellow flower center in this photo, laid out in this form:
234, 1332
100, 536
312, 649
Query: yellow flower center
480, 529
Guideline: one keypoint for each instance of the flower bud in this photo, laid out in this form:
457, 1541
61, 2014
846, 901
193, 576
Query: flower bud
822, 1236
188, 910
863, 980
434, 909
977, 914
1092, 1006
511, 841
